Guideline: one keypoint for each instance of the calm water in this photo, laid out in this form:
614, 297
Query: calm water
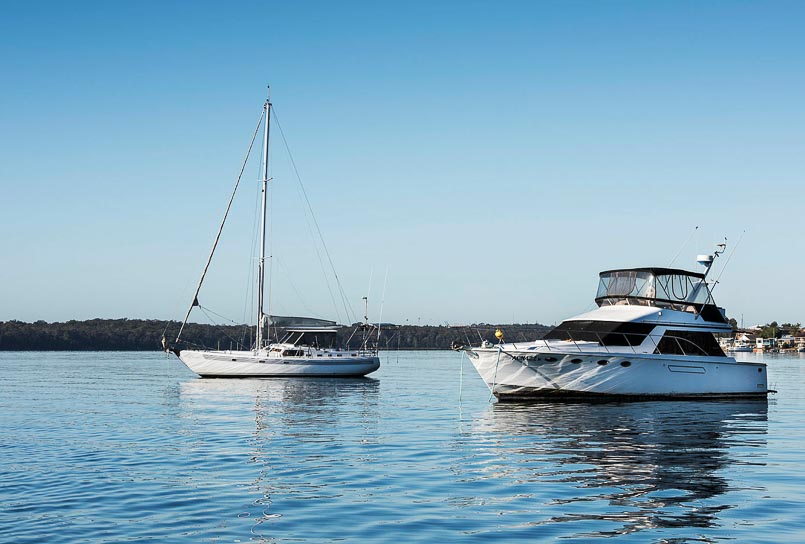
109, 447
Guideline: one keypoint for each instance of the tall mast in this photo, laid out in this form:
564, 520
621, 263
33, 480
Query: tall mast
264, 189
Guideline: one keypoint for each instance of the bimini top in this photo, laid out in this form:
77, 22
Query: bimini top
318, 337
661, 287
658, 271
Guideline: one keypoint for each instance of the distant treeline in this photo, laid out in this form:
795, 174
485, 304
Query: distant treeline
146, 335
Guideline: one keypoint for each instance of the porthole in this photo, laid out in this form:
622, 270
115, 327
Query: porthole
577, 361
550, 359
760, 370
626, 363
603, 362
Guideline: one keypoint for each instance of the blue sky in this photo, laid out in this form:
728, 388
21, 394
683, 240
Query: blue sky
489, 157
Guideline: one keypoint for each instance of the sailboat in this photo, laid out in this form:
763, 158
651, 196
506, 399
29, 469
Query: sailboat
309, 347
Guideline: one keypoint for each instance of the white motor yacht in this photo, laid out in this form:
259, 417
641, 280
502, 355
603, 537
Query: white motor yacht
651, 336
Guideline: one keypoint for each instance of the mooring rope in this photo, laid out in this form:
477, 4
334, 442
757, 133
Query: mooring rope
461, 377
495, 378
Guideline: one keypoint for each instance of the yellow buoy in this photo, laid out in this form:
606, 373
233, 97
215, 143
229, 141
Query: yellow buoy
499, 334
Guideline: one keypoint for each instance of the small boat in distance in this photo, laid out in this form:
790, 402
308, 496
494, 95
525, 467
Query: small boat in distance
739, 349
309, 348
652, 336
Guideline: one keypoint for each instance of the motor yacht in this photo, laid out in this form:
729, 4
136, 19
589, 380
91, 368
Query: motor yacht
651, 336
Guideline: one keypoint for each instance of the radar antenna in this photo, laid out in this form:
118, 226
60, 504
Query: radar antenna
708, 260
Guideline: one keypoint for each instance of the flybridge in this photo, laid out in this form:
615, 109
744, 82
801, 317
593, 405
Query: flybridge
670, 288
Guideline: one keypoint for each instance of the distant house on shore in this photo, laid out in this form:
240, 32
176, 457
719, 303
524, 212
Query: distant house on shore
790, 341
765, 343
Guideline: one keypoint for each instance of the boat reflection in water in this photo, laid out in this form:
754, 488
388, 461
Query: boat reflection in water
281, 437
635, 467
324, 397
330, 459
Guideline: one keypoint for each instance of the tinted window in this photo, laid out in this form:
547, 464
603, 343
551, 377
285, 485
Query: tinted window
689, 343
607, 333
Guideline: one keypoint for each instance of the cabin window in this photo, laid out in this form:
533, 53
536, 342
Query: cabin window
689, 343
293, 353
607, 333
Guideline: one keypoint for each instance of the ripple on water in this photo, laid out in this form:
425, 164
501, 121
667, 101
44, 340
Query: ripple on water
131, 446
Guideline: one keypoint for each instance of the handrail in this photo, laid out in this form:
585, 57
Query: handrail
684, 346
681, 305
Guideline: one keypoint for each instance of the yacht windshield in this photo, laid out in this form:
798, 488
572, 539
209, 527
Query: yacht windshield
662, 287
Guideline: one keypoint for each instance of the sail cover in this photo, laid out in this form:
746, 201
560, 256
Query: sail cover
292, 321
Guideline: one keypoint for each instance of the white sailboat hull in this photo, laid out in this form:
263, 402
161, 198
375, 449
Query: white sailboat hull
519, 375
247, 364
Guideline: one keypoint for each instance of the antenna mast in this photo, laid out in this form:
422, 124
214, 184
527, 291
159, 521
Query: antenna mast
708, 260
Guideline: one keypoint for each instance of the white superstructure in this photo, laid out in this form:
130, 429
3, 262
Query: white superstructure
650, 337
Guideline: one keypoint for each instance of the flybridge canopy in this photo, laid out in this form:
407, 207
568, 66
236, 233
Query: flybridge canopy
662, 287
658, 271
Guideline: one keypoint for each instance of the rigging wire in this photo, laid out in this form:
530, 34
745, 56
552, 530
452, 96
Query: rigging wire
248, 303
382, 302
269, 238
735, 247
369, 291
221, 228
218, 315
205, 310
288, 276
367, 333
312, 232
344, 300
692, 234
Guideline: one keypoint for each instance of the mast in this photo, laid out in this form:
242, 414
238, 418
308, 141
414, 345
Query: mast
264, 189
